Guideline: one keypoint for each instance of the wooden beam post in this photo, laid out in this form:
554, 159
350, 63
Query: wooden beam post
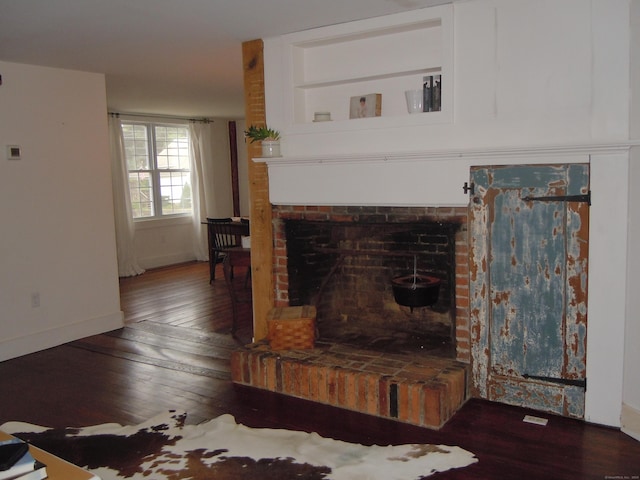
261, 226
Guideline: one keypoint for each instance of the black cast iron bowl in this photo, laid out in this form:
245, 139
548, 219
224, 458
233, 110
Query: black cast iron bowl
421, 292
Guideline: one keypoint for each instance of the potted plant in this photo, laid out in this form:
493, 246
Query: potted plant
269, 138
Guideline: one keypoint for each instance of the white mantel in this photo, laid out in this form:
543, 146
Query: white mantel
429, 178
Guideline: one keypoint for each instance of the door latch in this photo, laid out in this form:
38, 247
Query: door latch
561, 198
561, 381
466, 188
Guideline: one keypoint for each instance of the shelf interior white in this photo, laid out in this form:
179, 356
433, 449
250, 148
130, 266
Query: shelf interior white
368, 56
419, 70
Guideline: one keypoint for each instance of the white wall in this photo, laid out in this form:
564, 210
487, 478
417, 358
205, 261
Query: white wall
542, 81
58, 240
170, 241
631, 393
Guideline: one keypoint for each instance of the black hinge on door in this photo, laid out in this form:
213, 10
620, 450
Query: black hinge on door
561, 198
561, 381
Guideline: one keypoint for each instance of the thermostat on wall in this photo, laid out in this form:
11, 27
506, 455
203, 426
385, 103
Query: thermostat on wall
13, 152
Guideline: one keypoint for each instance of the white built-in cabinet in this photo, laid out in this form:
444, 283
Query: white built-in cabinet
325, 67
520, 98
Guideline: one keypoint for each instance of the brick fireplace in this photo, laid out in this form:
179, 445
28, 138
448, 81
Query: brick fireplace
370, 245
373, 355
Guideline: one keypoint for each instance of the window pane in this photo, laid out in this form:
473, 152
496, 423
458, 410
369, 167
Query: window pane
175, 191
172, 147
136, 146
140, 188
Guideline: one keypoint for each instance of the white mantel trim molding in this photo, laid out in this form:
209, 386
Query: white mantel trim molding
495, 154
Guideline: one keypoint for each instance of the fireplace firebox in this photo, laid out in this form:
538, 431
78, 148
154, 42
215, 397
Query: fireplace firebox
346, 270
343, 260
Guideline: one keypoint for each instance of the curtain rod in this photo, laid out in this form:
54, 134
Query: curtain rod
165, 117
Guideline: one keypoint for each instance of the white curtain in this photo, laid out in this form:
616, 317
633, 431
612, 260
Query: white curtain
200, 137
127, 261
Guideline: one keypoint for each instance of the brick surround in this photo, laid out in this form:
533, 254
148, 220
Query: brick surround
418, 388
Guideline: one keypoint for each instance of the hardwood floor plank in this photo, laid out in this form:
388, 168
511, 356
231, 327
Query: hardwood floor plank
165, 358
202, 336
138, 338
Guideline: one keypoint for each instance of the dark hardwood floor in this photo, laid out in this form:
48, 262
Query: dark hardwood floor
174, 354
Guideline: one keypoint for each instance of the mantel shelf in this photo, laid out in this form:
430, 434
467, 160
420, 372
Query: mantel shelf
542, 151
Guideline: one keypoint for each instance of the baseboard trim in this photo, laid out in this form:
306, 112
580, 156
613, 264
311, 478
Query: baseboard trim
165, 260
19, 346
630, 419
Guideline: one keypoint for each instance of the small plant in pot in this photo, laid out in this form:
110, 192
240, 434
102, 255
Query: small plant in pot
269, 138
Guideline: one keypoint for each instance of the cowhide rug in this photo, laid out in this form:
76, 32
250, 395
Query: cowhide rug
165, 448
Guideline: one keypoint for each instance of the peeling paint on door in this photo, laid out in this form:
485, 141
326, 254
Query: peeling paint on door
528, 258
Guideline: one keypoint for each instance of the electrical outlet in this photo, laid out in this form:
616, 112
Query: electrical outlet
35, 299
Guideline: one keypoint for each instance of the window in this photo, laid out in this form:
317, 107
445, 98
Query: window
159, 169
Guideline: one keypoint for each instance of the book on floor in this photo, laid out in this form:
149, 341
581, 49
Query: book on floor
17, 461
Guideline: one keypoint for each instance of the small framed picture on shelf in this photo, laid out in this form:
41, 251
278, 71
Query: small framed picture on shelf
362, 106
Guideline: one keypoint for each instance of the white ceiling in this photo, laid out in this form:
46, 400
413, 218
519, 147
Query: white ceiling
167, 57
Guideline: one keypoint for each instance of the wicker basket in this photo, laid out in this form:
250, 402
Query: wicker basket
292, 328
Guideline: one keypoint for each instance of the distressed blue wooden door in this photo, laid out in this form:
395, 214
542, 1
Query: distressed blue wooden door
528, 288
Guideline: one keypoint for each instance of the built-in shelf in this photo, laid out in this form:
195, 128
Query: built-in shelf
328, 66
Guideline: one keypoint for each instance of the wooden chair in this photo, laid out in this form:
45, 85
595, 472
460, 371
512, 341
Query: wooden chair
223, 234
215, 255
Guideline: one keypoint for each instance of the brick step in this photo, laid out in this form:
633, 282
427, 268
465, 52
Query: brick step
415, 389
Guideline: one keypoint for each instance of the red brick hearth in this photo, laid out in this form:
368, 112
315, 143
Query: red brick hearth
424, 391
409, 386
